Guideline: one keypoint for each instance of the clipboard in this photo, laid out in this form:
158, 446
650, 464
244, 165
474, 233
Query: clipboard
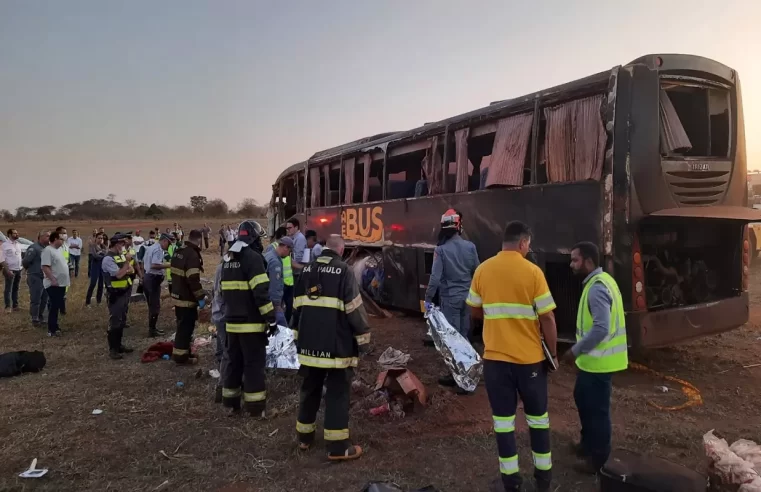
548, 356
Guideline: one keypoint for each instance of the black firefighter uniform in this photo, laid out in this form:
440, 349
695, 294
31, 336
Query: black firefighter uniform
186, 268
249, 314
331, 327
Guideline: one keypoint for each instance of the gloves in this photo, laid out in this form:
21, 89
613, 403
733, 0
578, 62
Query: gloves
202, 303
280, 319
272, 329
428, 306
364, 348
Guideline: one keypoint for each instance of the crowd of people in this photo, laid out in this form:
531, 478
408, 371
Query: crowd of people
304, 284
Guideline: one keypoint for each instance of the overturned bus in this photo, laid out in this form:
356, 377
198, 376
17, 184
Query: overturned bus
647, 160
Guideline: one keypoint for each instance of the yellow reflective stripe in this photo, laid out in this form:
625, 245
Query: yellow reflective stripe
506, 310
324, 259
266, 308
302, 428
339, 363
230, 392
336, 435
179, 351
245, 327
542, 461
252, 397
259, 279
177, 271
233, 285
509, 466
362, 339
504, 424
295, 334
181, 303
326, 302
192, 271
474, 299
538, 421
353, 304
544, 303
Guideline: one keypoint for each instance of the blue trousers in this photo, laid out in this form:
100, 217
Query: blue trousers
11, 288
505, 382
457, 313
592, 394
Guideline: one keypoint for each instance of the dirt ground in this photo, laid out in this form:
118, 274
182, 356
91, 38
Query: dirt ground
154, 436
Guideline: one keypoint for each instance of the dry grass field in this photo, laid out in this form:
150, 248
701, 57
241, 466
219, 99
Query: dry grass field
154, 436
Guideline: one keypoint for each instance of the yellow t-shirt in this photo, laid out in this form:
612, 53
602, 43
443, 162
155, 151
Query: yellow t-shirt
513, 293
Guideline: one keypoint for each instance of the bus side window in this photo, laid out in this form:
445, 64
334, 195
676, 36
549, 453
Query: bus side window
403, 173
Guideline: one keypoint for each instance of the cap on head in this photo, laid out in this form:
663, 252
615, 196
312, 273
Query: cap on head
167, 237
285, 241
117, 238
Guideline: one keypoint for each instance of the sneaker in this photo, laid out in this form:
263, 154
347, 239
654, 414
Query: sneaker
156, 333
54, 334
351, 453
126, 350
115, 355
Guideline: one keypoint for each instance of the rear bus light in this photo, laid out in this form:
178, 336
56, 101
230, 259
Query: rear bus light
639, 302
746, 259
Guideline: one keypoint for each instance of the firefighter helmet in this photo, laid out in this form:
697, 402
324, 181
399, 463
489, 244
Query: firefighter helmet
250, 231
452, 219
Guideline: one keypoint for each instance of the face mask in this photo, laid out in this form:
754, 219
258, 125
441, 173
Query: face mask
124, 249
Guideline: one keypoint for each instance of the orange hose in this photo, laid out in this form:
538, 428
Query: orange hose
690, 391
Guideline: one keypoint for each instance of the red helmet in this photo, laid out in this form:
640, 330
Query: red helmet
451, 220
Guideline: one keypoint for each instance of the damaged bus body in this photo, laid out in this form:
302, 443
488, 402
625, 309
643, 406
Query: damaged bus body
647, 160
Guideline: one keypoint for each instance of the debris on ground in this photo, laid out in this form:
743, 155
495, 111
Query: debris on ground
397, 391
662, 389
97, 411
180, 385
392, 487
16, 363
461, 358
160, 350
691, 392
33, 471
281, 350
393, 359
726, 464
214, 373
201, 342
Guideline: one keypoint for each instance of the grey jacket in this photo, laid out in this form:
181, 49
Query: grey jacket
217, 301
32, 261
454, 264
275, 273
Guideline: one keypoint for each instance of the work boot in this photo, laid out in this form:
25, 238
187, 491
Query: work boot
115, 355
497, 485
577, 450
447, 380
156, 332
218, 394
126, 350
542, 486
352, 453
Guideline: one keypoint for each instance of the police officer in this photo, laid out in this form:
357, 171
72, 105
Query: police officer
600, 351
136, 274
274, 258
116, 270
155, 265
332, 330
249, 316
511, 295
454, 262
187, 295
280, 233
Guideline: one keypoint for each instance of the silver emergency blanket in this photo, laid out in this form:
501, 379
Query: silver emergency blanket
459, 355
281, 350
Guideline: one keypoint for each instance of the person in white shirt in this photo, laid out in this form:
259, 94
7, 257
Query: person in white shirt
74, 244
137, 240
230, 236
11, 250
57, 279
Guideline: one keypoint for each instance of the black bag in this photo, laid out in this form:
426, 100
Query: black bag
626, 471
15, 363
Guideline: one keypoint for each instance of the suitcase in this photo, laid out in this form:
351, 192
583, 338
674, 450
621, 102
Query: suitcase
626, 471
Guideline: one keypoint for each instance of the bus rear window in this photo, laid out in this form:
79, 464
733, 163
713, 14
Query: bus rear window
694, 120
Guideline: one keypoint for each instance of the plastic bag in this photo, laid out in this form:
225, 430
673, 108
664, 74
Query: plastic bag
749, 451
459, 355
281, 350
728, 466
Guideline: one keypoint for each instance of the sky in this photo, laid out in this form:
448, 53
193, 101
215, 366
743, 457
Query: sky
158, 101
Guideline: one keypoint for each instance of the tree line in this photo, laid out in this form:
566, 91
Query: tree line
109, 209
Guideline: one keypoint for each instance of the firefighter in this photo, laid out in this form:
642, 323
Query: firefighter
332, 331
187, 295
454, 262
511, 294
116, 269
249, 317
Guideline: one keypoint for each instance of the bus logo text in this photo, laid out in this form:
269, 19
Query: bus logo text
362, 224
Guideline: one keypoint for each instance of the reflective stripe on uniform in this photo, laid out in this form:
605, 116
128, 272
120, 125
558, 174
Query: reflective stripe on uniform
179, 351
245, 327
326, 302
336, 435
230, 392
295, 334
608, 351
233, 285
505, 310
362, 339
302, 428
177, 271
474, 299
339, 363
542, 461
324, 259
544, 303
504, 424
538, 422
353, 304
259, 279
252, 397
266, 308
181, 303
509, 466
192, 271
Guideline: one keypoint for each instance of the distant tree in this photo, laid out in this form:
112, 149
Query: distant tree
24, 213
45, 211
154, 212
6, 215
250, 208
130, 203
111, 197
198, 203
216, 208
182, 211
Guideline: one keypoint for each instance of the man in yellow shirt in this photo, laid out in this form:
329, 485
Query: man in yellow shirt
512, 297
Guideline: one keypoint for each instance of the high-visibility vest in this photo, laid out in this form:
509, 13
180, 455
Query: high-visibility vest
168, 257
287, 269
611, 354
116, 283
